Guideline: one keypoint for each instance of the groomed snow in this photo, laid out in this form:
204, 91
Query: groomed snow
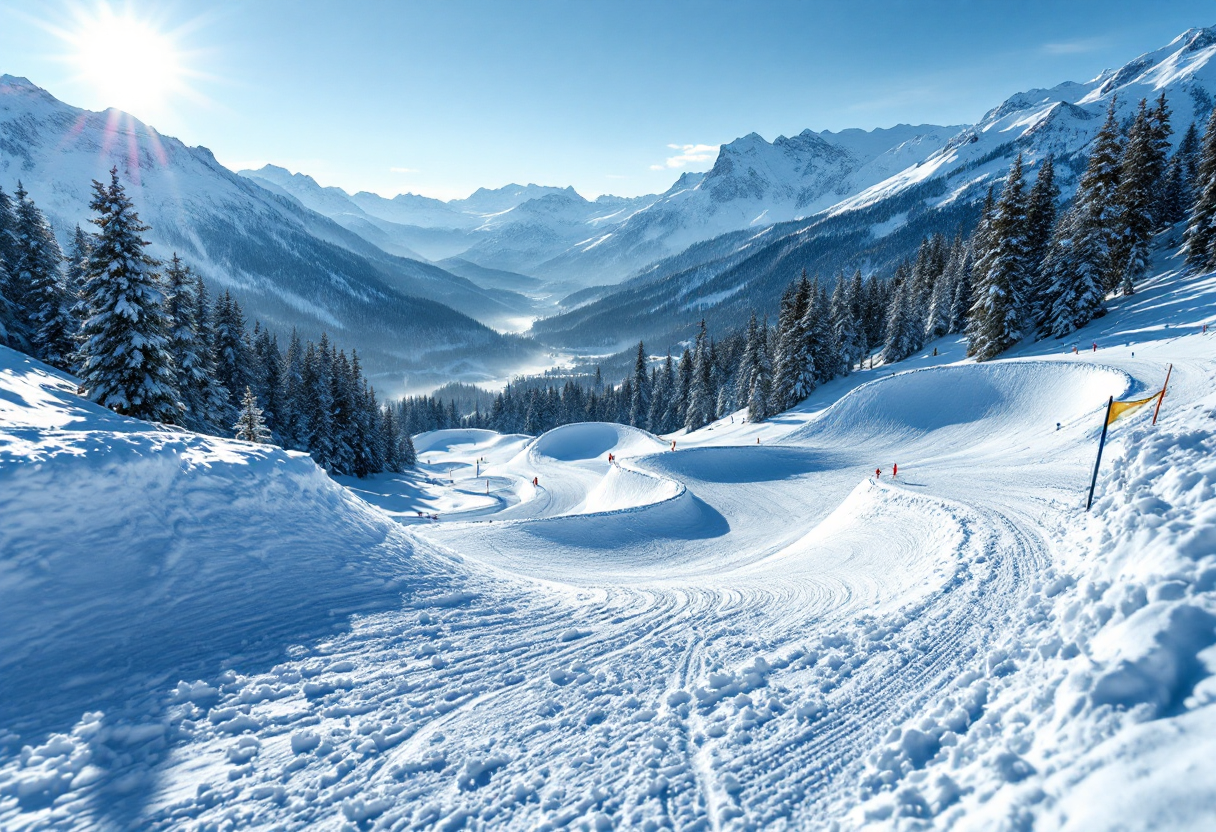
751, 631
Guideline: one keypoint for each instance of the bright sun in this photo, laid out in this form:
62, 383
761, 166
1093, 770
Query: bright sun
133, 66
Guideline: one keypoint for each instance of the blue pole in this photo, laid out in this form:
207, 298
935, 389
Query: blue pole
1101, 444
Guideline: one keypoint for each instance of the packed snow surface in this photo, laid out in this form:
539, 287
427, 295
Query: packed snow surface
751, 631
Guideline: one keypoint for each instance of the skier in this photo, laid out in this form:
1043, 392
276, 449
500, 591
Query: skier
1095, 346
1074, 350
757, 440
673, 444
536, 482
877, 473
895, 470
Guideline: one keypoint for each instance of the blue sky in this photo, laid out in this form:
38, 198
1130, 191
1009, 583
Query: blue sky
440, 98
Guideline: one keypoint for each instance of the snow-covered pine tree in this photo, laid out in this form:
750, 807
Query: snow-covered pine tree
343, 397
1201, 225
639, 404
409, 454
76, 271
791, 355
960, 303
1172, 205
677, 406
1139, 184
660, 398
293, 422
858, 347
268, 370
1188, 153
230, 339
125, 362
982, 250
194, 371
844, 326
1040, 215
1000, 311
1074, 295
1158, 157
249, 425
700, 393
318, 381
825, 350
938, 322
1098, 223
902, 323
762, 377
40, 290
214, 398
12, 324
390, 433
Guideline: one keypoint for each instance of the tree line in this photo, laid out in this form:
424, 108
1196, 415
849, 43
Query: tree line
1031, 268
146, 341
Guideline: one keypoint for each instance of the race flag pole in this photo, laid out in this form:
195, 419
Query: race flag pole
1162, 396
1101, 443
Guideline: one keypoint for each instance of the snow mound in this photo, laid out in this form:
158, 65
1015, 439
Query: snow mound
464, 441
595, 440
972, 404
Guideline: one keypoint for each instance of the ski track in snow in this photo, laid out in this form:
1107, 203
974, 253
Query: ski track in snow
727, 636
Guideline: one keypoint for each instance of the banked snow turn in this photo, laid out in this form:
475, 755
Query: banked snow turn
732, 635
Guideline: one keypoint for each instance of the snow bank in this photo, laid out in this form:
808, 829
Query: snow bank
133, 551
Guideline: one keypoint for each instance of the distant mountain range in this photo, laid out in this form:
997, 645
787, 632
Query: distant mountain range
876, 226
417, 284
289, 266
569, 242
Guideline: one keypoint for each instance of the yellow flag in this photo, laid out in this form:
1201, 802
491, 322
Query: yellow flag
1120, 409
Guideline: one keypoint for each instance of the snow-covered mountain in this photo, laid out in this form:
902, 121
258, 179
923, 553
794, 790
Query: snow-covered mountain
878, 225
289, 266
557, 235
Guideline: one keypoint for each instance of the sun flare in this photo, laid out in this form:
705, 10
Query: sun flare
131, 64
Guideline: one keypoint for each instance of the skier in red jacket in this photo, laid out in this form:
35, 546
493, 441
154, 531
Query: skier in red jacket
877, 473
895, 470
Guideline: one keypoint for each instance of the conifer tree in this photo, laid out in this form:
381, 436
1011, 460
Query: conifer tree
76, 264
902, 323
124, 350
660, 398
1041, 215
999, 312
234, 367
194, 370
788, 387
1075, 295
700, 393
1098, 223
1140, 172
1201, 228
762, 375
937, 321
293, 423
639, 404
1158, 157
40, 291
960, 304
10, 318
677, 407
249, 425
318, 380
213, 397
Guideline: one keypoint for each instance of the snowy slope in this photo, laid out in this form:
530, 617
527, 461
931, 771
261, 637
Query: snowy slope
734, 635
289, 266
